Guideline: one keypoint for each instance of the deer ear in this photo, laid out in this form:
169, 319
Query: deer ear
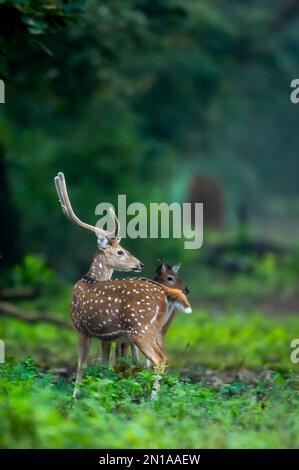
103, 242
175, 269
161, 269
158, 269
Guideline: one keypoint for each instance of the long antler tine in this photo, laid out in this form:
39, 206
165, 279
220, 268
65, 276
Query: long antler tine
68, 205
60, 195
61, 189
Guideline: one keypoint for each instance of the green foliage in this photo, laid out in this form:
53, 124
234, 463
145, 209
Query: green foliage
232, 340
137, 98
31, 271
157, 91
38, 17
37, 411
230, 381
42, 17
218, 341
30, 21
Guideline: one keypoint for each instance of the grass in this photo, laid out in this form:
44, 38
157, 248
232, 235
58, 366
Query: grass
37, 411
211, 340
230, 383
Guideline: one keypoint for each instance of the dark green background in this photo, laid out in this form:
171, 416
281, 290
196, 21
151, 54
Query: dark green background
136, 98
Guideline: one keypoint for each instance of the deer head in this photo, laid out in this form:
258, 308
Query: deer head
120, 259
167, 275
113, 254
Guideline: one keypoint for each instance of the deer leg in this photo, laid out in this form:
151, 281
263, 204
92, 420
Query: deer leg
159, 369
106, 348
83, 350
160, 342
153, 352
122, 350
148, 363
135, 353
117, 350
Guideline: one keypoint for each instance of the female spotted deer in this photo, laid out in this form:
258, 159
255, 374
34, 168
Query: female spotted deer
108, 310
167, 275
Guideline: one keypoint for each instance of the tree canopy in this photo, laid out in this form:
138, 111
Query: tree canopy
126, 95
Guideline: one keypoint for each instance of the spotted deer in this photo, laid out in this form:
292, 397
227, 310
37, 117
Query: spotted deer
127, 309
167, 275
109, 256
95, 313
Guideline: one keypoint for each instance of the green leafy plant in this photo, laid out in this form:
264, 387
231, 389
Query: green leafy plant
37, 411
32, 270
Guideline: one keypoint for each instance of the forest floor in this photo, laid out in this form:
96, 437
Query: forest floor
230, 384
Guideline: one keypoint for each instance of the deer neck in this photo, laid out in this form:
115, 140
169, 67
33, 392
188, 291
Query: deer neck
169, 314
99, 269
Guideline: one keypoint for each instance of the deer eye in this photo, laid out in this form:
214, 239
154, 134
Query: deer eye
169, 278
120, 252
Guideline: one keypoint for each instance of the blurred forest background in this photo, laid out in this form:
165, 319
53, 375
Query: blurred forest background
161, 100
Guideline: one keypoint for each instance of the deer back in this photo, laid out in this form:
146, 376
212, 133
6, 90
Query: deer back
127, 307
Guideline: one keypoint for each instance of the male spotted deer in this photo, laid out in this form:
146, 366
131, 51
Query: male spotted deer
108, 310
128, 309
167, 275
109, 256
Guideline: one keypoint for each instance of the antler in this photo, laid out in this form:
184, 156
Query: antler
68, 210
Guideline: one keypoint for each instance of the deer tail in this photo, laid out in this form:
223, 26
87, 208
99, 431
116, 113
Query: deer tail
178, 298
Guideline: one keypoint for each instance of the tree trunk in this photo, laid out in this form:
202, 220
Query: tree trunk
10, 252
